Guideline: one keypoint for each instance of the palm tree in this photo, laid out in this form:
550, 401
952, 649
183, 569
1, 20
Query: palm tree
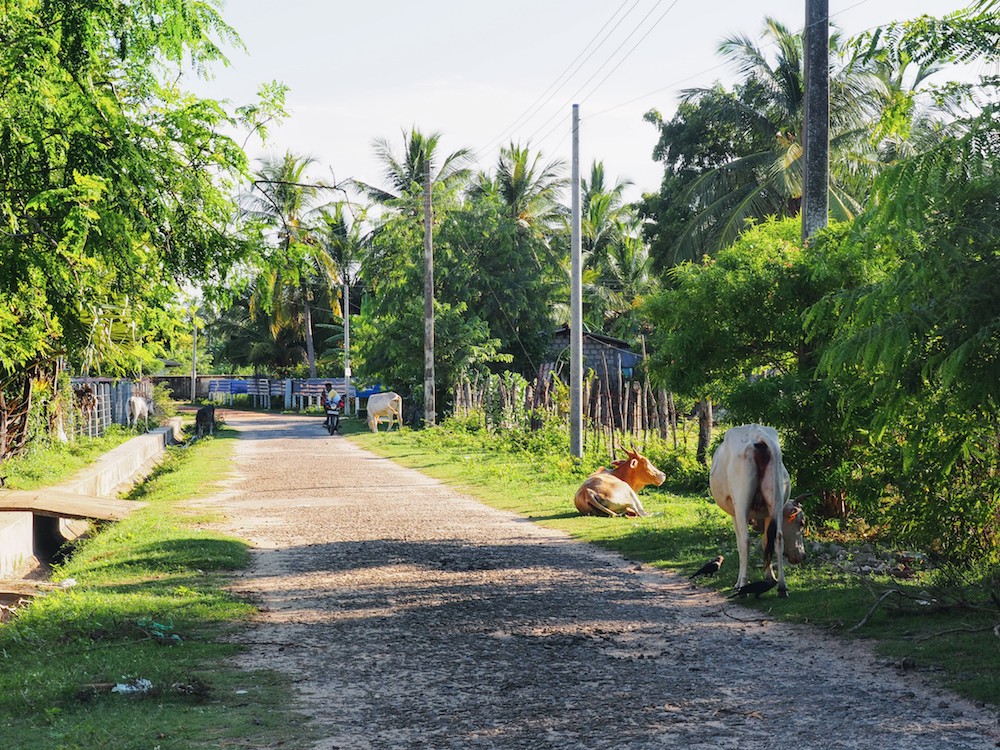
339, 233
616, 286
603, 209
528, 188
404, 174
767, 110
244, 336
282, 201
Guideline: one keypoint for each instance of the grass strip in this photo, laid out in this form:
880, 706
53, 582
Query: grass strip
52, 463
149, 603
942, 629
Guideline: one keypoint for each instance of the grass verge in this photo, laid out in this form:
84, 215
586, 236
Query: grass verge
52, 463
150, 603
944, 629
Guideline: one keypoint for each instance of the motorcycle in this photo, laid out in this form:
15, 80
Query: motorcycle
333, 416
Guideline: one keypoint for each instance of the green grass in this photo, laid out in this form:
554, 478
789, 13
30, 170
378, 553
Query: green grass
52, 463
149, 602
953, 644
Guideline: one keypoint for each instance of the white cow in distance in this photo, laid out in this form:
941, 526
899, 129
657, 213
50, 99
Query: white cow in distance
137, 407
749, 481
386, 405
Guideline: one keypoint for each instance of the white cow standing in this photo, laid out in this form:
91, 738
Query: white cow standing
388, 405
749, 481
137, 407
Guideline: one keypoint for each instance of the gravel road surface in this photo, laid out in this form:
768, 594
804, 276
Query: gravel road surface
410, 616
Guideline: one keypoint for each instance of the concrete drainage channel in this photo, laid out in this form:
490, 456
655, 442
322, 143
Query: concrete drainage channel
34, 524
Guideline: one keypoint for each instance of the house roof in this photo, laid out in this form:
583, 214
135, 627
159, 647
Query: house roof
608, 340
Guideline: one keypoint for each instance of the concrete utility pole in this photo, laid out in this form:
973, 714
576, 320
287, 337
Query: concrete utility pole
194, 357
430, 409
576, 303
816, 126
347, 346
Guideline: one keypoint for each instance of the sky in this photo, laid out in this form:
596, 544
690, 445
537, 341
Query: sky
484, 74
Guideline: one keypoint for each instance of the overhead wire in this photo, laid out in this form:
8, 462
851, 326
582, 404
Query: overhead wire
707, 70
632, 33
557, 83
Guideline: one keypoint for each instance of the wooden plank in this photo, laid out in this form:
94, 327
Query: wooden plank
23, 589
61, 504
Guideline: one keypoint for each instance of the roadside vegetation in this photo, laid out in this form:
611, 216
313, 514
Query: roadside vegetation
941, 620
46, 464
143, 600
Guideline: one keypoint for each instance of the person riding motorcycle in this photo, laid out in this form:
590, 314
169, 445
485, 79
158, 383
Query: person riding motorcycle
330, 401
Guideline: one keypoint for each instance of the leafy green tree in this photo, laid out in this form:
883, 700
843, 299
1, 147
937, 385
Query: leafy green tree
504, 274
759, 125
926, 336
697, 139
290, 271
388, 334
509, 240
116, 182
731, 328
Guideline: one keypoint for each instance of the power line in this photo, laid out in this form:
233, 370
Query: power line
557, 83
629, 53
584, 85
708, 70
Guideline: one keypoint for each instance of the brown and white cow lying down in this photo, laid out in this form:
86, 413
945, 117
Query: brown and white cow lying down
612, 492
750, 482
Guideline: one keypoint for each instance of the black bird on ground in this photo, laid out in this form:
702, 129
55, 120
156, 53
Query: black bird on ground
756, 588
709, 569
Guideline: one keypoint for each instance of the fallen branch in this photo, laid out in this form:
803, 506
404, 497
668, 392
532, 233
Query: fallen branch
758, 620
871, 611
994, 628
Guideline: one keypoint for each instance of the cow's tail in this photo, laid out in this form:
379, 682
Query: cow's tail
769, 479
772, 532
591, 505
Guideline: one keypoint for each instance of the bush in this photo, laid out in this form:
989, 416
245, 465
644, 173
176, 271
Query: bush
164, 406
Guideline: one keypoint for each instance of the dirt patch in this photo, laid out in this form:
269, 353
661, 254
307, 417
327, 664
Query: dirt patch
410, 616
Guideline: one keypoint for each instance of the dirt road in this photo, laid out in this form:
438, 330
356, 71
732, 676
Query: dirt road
412, 617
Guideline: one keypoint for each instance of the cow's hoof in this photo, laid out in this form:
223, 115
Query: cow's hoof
782, 593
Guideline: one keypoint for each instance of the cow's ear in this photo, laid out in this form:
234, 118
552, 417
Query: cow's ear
633, 463
789, 517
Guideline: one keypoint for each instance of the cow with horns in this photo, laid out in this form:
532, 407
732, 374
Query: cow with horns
612, 492
749, 481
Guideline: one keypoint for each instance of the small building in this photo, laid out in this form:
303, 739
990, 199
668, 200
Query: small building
599, 352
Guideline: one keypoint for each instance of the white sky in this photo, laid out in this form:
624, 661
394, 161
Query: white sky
485, 73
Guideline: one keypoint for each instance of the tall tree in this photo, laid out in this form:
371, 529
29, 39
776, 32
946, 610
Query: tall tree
604, 213
283, 200
528, 188
393, 267
760, 122
513, 229
116, 182
403, 172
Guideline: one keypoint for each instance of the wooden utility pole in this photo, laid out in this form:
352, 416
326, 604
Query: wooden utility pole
576, 303
816, 125
347, 345
430, 409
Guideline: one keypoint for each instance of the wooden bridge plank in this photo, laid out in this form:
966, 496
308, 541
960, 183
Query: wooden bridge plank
61, 504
